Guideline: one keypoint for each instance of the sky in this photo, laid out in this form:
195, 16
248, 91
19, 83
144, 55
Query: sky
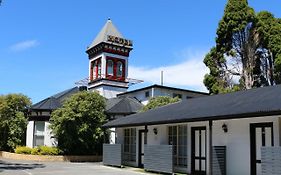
43, 43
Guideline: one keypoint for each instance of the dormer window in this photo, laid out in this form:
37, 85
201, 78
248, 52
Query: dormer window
119, 69
110, 67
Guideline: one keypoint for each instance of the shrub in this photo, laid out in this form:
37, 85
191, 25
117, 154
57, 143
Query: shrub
35, 151
40, 150
45, 150
23, 150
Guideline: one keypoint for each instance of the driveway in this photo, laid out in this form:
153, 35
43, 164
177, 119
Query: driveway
15, 167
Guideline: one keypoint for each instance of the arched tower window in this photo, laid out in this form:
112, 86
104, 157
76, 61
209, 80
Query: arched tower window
109, 67
119, 69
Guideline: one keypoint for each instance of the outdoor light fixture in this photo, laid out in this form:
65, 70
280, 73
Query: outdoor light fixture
155, 131
224, 127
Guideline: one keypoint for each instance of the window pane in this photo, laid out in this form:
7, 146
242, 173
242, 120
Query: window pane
39, 141
109, 67
39, 128
119, 69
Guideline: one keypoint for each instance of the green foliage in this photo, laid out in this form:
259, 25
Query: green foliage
45, 150
13, 121
77, 124
23, 150
40, 150
156, 102
247, 52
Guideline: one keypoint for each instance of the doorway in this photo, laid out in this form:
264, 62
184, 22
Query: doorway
198, 150
141, 147
261, 134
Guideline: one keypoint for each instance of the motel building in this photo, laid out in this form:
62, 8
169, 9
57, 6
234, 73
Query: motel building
108, 57
237, 133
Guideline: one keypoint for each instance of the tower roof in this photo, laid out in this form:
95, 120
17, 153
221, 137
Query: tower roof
108, 29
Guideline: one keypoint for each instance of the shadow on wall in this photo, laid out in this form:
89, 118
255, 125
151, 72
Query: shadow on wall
4, 165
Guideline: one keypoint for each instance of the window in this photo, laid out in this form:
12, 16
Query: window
178, 137
39, 128
99, 68
119, 69
147, 94
177, 95
129, 152
109, 67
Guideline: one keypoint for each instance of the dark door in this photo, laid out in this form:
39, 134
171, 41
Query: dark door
261, 134
141, 147
198, 150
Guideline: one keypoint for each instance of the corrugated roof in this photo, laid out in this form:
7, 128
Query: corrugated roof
247, 103
108, 29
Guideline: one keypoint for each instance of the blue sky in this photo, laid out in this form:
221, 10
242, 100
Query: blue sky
43, 43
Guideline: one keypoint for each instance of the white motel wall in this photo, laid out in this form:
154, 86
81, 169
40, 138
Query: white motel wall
236, 140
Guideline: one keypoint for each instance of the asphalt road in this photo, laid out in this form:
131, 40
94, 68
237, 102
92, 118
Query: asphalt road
15, 167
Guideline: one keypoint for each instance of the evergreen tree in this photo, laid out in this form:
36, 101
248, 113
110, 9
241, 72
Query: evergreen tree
245, 56
77, 124
13, 121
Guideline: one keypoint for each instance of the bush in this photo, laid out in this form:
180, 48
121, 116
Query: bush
23, 150
45, 150
40, 150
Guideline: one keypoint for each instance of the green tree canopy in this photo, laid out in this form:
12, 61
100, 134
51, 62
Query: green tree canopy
13, 121
156, 102
77, 124
247, 51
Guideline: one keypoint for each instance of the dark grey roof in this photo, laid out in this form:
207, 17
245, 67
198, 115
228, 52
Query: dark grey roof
247, 103
162, 87
123, 105
108, 29
119, 105
54, 101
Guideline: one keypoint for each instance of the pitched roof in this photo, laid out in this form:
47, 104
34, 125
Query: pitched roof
119, 105
123, 105
248, 103
54, 101
162, 87
108, 29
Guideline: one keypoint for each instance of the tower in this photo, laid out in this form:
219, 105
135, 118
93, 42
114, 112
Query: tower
108, 61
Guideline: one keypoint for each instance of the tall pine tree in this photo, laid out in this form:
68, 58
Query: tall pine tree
245, 55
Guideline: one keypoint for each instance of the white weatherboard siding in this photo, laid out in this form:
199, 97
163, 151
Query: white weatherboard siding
29, 134
236, 140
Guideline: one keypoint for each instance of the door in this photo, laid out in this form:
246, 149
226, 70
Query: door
261, 134
141, 147
198, 150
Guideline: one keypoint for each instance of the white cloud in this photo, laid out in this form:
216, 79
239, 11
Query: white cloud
24, 45
188, 73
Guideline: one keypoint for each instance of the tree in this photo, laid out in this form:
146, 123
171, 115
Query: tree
77, 124
243, 57
156, 102
13, 121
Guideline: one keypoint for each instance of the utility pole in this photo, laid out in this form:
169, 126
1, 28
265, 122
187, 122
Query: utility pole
161, 78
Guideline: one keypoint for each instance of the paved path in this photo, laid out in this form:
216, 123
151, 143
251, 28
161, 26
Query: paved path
15, 167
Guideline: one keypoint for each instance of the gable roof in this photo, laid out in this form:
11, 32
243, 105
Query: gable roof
248, 103
108, 29
123, 105
162, 87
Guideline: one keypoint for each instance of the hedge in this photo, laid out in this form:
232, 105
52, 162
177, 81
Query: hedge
40, 150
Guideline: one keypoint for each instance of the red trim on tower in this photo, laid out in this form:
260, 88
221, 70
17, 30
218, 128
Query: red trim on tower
114, 76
